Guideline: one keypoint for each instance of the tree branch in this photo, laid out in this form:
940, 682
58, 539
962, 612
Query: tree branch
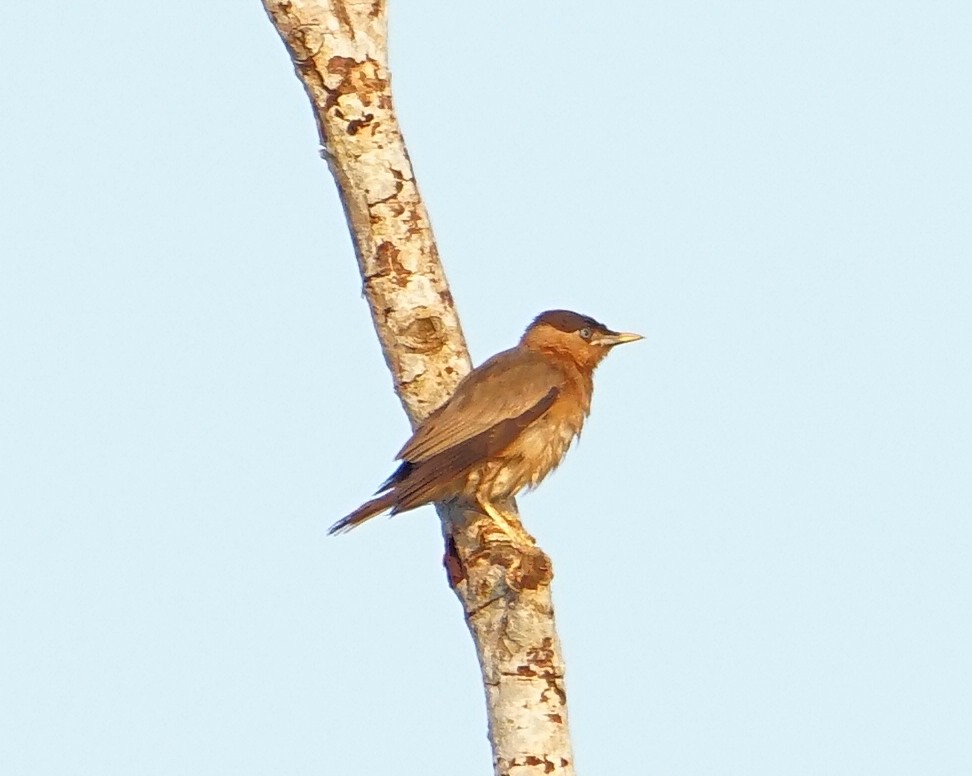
339, 50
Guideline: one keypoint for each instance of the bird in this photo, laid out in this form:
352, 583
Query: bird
507, 425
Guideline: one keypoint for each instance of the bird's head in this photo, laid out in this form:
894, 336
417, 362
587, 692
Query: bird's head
572, 335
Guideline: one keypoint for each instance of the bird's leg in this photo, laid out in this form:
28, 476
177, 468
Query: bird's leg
498, 517
508, 523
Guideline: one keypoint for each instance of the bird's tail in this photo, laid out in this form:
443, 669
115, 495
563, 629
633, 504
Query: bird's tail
376, 506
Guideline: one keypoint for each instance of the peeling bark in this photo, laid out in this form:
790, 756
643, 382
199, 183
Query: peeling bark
339, 50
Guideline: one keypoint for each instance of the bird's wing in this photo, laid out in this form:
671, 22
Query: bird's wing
502, 396
425, 480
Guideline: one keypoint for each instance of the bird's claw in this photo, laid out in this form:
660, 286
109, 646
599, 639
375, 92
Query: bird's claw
509, 525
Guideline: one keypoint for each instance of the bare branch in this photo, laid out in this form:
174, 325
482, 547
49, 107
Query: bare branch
339, 50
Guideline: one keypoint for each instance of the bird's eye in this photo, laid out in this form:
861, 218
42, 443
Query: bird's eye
586, 333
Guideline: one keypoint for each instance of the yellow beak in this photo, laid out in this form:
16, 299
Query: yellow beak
617, 338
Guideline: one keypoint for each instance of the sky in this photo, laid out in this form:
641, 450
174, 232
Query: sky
762, 542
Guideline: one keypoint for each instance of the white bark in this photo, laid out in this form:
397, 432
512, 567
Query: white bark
339, 50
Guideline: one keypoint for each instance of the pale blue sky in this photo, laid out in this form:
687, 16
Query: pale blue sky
763, 541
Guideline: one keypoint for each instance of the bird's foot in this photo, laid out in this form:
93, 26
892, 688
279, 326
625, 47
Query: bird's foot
508, 523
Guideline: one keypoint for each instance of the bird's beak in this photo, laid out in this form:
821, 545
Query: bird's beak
616, 338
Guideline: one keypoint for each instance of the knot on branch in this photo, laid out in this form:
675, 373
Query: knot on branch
424, 335
485, 564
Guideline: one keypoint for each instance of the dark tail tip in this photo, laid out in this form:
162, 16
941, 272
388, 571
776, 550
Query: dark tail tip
367, 510
343, 525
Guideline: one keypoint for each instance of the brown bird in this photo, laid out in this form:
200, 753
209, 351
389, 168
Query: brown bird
506, 427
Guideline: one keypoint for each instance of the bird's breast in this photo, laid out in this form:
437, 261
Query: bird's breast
536, 452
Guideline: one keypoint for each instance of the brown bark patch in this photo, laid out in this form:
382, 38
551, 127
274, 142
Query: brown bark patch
386, 257
533, 570
353, 77
533, 760
356, 125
